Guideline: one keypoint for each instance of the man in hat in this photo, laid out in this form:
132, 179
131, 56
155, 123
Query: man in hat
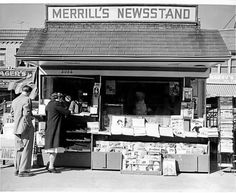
21, 110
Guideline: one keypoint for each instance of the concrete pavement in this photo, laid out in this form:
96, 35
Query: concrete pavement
85, 180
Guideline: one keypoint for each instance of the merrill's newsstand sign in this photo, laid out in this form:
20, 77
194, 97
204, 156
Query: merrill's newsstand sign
126, 13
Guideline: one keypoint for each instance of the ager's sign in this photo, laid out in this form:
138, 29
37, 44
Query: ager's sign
15, 73
126, 13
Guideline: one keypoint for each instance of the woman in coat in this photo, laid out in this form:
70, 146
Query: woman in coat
55, 118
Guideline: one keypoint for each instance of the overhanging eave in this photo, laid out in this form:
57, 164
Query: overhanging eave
125, 58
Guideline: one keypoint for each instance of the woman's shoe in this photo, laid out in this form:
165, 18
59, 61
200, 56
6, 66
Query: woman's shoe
53, 171
25, 174
16, 173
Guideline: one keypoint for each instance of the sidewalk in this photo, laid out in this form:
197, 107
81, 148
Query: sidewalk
85, 180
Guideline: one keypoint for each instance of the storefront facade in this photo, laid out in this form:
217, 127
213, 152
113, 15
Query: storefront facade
10, 41
116, 54
221, 90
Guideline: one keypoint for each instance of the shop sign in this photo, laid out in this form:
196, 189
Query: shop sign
222, 79
7, 118
7, 153
7, 149
127, 13
14, 73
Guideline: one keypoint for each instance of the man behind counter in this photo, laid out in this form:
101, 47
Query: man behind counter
76, 105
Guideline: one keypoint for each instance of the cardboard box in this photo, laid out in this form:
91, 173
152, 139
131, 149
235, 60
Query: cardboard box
169, 167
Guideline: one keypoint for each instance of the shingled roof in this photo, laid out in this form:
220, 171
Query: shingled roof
122, 39
229, 36
12, 34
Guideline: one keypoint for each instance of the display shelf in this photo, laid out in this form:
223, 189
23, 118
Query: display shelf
146, 138
158, 173
79, 140
194, 162
77, 143
72, 150
77, 131
226, 135
106, 160
225, 165
191, 162
70, 159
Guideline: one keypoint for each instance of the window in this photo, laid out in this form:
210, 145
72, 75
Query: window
68, 86
2, 56
233, 66
214, 69
21, 63
161, 96
224, 67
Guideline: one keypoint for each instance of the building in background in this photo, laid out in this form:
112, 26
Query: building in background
221, 101
11, 70
222, 79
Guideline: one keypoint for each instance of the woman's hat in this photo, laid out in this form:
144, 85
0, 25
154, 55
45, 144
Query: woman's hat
54, 96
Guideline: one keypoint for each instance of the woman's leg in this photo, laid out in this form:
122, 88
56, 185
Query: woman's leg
52, 158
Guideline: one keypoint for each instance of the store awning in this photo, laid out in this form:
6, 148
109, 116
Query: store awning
216, 90
123, 41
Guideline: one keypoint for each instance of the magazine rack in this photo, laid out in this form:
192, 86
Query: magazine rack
225, 153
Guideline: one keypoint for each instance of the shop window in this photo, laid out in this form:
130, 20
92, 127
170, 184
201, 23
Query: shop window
21, 63
234, 102
233, 66
224, 67
141, 96
69, 86
214, 69
2, 57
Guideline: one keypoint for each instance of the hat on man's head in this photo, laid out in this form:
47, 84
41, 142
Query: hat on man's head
27, 88
56, 95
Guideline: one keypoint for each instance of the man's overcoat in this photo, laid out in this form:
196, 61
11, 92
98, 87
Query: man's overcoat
21, 110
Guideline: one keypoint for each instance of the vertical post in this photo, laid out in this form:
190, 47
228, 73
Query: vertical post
209, 156
4, 106
204, 101
218, 145
34, 146
100, 104
91, 153
229, 66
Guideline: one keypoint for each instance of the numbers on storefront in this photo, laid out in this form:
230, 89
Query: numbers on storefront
66, 71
